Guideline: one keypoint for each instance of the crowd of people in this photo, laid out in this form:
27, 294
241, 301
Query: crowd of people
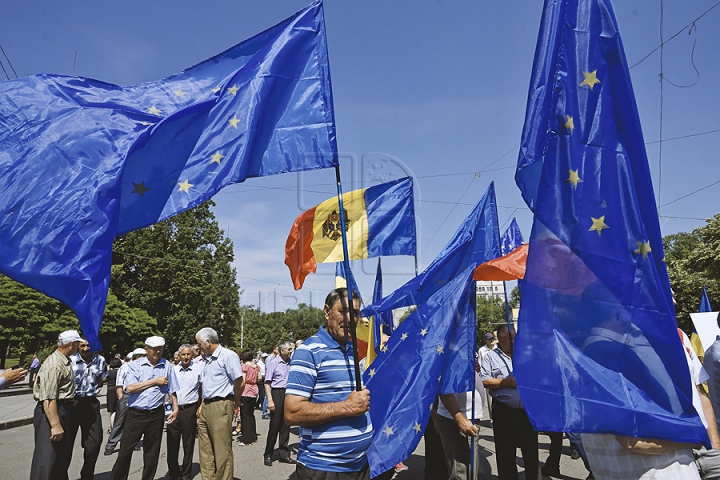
207, 387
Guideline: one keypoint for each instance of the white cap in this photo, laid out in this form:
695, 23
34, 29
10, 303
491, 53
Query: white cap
155, 341
69, 336
264, 355
138, 351
129, 355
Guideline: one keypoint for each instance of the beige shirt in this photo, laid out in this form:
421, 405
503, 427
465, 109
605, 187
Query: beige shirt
55, 380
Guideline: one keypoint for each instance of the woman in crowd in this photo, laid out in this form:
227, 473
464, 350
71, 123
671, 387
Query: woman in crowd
249, 398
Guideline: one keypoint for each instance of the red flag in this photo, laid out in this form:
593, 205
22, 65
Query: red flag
507, 267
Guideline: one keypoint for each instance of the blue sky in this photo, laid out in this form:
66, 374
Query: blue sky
428, 88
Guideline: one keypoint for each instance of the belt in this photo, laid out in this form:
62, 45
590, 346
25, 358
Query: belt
161, 408
189, 405
217, 399
277, 388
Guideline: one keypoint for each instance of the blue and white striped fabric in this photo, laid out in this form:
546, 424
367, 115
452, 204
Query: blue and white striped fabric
322, 371
88, 376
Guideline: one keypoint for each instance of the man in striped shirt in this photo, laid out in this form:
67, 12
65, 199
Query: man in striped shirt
321, 398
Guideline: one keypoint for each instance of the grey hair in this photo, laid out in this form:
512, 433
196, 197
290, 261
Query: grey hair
183, 346
284, 345
336, 295
207, 334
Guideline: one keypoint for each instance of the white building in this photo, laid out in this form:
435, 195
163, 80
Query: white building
490, 289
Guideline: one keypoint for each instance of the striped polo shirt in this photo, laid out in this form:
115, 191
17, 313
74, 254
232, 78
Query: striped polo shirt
323, 371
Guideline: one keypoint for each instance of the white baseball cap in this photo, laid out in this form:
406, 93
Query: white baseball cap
129, 355
138, 351
155, 341
69, 336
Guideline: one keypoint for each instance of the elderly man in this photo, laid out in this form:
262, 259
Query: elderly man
321, 398
511, 425
276, 377
122, 396
185, 426
147, 382
89, 370
54, 390
222, 387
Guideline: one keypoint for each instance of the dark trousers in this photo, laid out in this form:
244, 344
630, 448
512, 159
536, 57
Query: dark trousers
138, 423
50, 459
261, 396
305, 473
86, 416
435, 466
117, 429
247, 419
556, 440
278, 425
184, 427
512, 430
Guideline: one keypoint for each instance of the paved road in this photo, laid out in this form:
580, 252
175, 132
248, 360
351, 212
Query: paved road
16, 445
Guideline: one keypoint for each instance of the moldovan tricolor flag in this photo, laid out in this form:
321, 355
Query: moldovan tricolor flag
380, 221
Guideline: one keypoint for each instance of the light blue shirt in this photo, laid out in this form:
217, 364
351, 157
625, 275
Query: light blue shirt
220, 372
2, 380
188, 383
141, 370
88, 375
497, 364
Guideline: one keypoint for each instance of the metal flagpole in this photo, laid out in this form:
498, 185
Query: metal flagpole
346, 264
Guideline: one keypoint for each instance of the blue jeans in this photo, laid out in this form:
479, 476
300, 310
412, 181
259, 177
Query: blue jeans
264, 409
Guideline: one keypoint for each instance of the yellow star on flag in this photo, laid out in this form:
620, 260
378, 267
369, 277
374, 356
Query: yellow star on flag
216, 89
234, 121
154, 111
403, 336
217, 156
590, 79
372, 372
598, 225
417, 427
440, 349
179, 93
384, 348
439, 377
185, 186
423, 332
643, 248
388, 431
569, 123
233, 90
573, 178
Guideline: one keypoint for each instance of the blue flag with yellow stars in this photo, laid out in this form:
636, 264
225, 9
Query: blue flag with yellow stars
476, 241
511, 238
82, 161
416, 365
597, 348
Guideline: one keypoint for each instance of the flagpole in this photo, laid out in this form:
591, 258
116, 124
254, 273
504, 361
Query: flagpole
346, 264
416, 270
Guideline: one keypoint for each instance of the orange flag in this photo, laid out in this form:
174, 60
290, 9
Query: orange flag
507, 267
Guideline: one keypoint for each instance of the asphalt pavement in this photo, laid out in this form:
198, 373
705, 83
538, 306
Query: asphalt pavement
16, 445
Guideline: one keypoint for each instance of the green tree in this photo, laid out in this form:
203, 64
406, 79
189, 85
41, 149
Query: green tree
693, 260
490, 313
265, 330
179, 272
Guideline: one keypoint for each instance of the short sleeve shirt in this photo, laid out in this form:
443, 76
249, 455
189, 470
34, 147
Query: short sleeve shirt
88, 375
142, 370
497, 364
55, 380
322, 371
220, 372
188, 383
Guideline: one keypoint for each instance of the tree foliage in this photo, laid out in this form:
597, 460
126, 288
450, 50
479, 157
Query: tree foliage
179, 272
693, 260
266, 330
490, 313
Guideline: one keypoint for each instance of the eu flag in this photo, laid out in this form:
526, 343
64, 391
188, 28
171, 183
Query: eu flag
597, 347
82, 161
511, 238
476, 241
415, 365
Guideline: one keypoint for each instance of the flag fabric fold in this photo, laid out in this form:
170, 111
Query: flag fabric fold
511, 238
82, 161
597, 348
476, 241
430, 353
379, 220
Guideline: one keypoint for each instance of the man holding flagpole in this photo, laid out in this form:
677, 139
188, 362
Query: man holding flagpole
321, 398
